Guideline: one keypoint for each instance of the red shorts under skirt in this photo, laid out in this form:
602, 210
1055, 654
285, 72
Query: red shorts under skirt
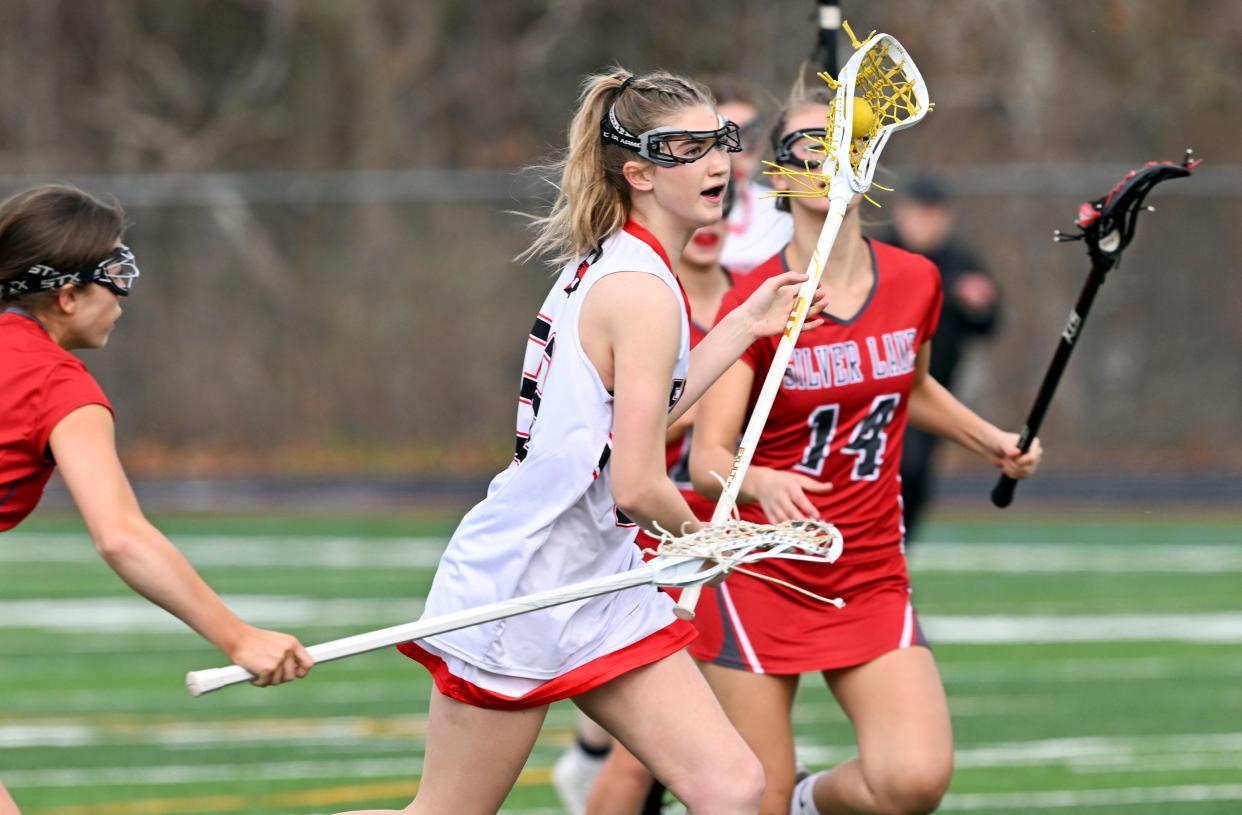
754, 626
652, 648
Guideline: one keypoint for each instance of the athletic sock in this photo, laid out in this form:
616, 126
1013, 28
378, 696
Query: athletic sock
803, 802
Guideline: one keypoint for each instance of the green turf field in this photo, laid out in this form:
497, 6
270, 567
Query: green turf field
1093, 664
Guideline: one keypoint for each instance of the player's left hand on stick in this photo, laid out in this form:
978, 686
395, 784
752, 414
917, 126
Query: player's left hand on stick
271, 656
768, 309
1005, 454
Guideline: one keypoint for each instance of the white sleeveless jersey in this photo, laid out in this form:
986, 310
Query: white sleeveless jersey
549, 519
757, 229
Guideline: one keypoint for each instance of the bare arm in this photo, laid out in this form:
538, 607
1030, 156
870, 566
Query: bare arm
678, 428
764, 313
630, 331
721, 414
935, 410
84, 446
7, 805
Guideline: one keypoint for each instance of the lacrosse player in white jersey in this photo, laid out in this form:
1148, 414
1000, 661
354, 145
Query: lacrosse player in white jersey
607, 368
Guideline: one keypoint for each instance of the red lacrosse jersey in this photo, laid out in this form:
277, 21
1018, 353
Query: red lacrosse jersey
40, 384
840, 415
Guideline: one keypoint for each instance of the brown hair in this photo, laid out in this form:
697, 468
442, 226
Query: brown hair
58, 226
732, 89
799, 97
593, 197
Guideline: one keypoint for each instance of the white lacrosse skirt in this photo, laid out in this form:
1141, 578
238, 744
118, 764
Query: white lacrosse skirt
549, 520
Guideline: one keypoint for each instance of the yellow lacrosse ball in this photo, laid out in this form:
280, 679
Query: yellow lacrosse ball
863, 118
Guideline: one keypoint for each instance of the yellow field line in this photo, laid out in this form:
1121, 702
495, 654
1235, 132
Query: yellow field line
346, 794
413, 726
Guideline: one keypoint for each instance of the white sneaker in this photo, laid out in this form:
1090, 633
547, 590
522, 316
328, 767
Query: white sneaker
573, 775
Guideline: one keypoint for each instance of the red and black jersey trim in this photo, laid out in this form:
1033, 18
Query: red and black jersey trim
541, 330
529, 392
522, 446
582, 270
674, 394
621, 518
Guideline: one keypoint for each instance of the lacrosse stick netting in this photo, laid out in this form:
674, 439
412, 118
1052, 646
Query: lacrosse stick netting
733, 544
688, 560
890, 87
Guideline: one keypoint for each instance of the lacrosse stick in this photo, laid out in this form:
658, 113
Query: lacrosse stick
829, 25
685, 561
885, 79
1107, 226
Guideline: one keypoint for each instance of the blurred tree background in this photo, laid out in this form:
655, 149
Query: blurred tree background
322, 198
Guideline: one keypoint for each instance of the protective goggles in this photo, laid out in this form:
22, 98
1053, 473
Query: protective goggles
801, 147
669, 146
116, 273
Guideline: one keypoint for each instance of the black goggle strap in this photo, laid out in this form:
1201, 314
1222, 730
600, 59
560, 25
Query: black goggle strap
41, 277
784, 148
612, 130
651, 144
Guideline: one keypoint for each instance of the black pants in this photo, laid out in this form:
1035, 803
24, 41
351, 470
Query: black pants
917, 478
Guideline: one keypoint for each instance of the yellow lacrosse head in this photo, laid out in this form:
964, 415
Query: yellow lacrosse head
879, 91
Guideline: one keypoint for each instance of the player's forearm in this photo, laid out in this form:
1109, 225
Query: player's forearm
722, 347
146, 560
934, 410
677, 429
7, 805
655, 504
707, 461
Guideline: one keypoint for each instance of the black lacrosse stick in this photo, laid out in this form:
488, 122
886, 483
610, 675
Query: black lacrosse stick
825, 54
1107, 226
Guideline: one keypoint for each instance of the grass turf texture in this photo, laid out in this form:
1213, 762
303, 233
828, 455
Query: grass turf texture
94, 719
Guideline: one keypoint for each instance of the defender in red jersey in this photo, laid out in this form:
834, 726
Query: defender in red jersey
831, 449
63, 272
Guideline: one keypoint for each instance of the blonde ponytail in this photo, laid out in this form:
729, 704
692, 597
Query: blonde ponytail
593, 197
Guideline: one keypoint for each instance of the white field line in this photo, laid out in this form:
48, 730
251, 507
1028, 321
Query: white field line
1055, 799
70, 732
1074, 753
1221, 627
1078, 799
250, 551
350, 692
424, 552
130, 614
1222, 663
1210, 749
339, 689
1085, 557
59, 730
402, 767
337, 731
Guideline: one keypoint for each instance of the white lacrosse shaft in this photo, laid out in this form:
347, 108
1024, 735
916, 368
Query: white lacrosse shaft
771, 386
671, 571
846, 181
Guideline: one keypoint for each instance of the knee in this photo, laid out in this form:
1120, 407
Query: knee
727, 788
917, 790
